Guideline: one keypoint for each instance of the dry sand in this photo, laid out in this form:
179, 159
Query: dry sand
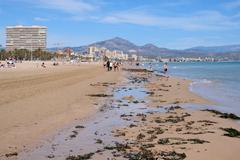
35, 101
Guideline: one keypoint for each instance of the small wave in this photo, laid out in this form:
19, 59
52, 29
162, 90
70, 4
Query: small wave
202, 81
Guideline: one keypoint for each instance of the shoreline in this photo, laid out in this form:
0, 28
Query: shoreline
195, 132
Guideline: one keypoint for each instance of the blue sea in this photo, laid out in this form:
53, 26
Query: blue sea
216, 81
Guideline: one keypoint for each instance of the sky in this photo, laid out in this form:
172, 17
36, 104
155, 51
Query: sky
175, 24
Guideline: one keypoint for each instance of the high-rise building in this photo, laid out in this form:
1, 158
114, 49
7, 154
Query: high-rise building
26, 37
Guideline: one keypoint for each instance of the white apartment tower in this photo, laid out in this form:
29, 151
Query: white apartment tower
26, 37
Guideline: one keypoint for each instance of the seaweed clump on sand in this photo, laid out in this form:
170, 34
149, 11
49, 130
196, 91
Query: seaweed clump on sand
137, 70
119, 147
80, 157
223, 115
172, 155
179, 141
100, 95
11, 154
142, 154
231, 132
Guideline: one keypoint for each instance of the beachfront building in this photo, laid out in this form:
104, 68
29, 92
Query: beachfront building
100, 53
26, 37
134, 57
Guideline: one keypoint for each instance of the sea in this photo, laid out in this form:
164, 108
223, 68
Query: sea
216, 81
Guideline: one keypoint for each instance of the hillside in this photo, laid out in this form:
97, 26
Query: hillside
151, 50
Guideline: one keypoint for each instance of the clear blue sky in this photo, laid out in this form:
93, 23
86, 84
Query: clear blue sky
174, 24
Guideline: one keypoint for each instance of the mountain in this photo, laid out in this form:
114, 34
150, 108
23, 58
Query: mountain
116, 43
217, 49
152, 50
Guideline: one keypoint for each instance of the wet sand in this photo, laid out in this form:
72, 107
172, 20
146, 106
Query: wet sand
36, 101
143, 116
179, 133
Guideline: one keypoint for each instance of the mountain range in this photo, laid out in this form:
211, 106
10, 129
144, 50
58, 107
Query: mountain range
152, 50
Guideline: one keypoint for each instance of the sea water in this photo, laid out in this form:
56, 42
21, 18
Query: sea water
217, 81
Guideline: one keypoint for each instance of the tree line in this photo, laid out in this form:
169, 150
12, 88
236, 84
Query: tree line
24, 54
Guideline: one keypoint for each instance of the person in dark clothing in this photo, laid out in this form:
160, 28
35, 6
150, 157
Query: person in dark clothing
108, 65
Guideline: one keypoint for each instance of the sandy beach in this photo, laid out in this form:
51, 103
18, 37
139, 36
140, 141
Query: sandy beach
36, 101
131, 114
178, 133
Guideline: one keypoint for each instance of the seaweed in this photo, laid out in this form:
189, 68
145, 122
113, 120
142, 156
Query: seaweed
119, 147
100, 95
142, 154
136, 70
140, 136
80, 157
50, 156
11, 154
172, 155
132, 125
231, 132
179, 141
223, 115
79, 126
150, 145
99, 141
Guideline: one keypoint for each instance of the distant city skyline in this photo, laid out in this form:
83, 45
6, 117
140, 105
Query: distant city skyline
175, 24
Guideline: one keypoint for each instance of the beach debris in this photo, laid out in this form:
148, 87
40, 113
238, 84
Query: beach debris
207, 121
176, 102
137, 70
136, 101
99, 141
196, 133
80, 157
75, 133
223, 115
140, 136
172, 155
174, 108
11, 154
179, 141
172, 119
231, 132
150, 93
120, 147
132, 125
100, 95
50, 156
105, 84
142, 154
79, 126
149, 145
137, 80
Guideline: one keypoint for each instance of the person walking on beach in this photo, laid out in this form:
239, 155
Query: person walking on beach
108, 65
115, 66
165, 68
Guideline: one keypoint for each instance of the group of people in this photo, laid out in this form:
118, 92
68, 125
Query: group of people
165, 68
112, 65
10, 62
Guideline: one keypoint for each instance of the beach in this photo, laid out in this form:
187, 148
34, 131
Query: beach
83, 111
36, 101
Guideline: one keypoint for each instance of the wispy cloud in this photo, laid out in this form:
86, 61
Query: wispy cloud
41, 19
204, 20
70, 6
233, 4
175, 3
67, 6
